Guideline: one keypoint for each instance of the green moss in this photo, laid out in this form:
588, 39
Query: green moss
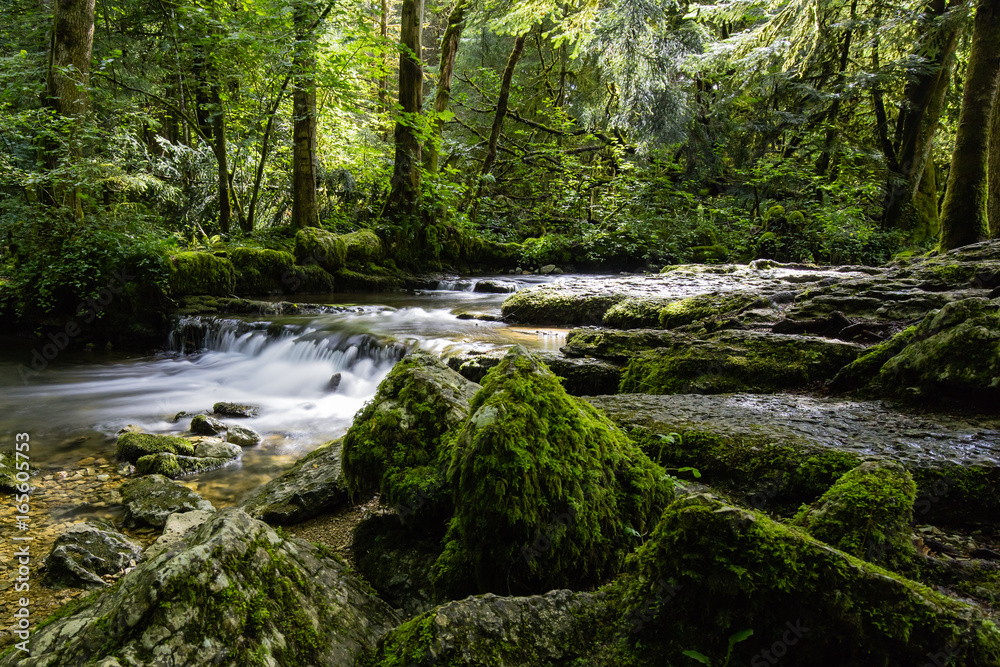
548, 492
703, 307
865, 368
550, 306
173, 466
867, 514
201, 273
318, 246
955, 274
362, 247
422, 398
352, 281
731, 569
132, 446
311, 279
261, 271
634, 313
736, 362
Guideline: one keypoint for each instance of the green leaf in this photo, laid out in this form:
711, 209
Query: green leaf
700, 657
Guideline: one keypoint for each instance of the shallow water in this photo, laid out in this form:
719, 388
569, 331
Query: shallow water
282, 364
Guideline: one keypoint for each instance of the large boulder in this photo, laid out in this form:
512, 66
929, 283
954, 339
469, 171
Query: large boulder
173, 465
547, 491
313, 485
149, 500
953, 357
398, 563
207, 425
710, 570
486, 630
201, 273
395, 441
86, 552
867, 514
231, 593
132, 446
243, 436
260, 270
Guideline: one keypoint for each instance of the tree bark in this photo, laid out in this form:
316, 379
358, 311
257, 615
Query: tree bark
222, 158
305, 210
915, 128
502, 103
963, 215
66, 84
993, 200
404, 198
446, 70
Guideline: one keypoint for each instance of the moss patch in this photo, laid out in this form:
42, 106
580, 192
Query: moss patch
260, 271
548, 492
132, 446
865, 368
353, 281
703, 307
201, 273
362, 247
551, 306
867, 514
172, 465
318, 246
635, 313
731, 569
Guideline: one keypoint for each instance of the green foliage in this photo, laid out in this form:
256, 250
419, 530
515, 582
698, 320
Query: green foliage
201, 273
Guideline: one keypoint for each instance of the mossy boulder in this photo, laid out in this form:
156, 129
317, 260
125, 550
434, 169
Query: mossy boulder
172, 465
231, 592
313, 485
703, 307
737, 361
954, 356
132, 446
635, 312
860, 372
206, 425
547, 491
201, 273
260, 270
151, 499
362, 247
311, 279
318, 246
349, 280
867, 514
728, 569
552, 305
394, 445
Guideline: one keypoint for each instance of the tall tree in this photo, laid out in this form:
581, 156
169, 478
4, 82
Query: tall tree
404, 197
305, 210
446, 70
963, 216
67, 80
993, 200
503, 101
909, 206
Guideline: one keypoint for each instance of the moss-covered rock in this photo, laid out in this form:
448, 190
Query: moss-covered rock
132, 446
172, 465
865, 368
349, 280
703, 307
867, 514
311, 279
313, 485
394, 445
230, 593
486, 631
201, 273
580, 376
730, 570
86, 552
318, 246
362, 247
954, 356
261, 271
151, 499
635, 312
737, 361
547, 491
206, 425
550, 305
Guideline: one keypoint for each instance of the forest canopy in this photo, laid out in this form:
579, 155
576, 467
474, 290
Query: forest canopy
597, 134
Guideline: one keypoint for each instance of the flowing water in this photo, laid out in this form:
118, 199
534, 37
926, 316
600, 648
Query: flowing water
283, 364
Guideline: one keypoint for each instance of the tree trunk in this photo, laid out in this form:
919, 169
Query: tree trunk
305, 211
963, 216
404, 199
68, 76
502, 102
993, 200
916, 125
449, 49
221, 157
